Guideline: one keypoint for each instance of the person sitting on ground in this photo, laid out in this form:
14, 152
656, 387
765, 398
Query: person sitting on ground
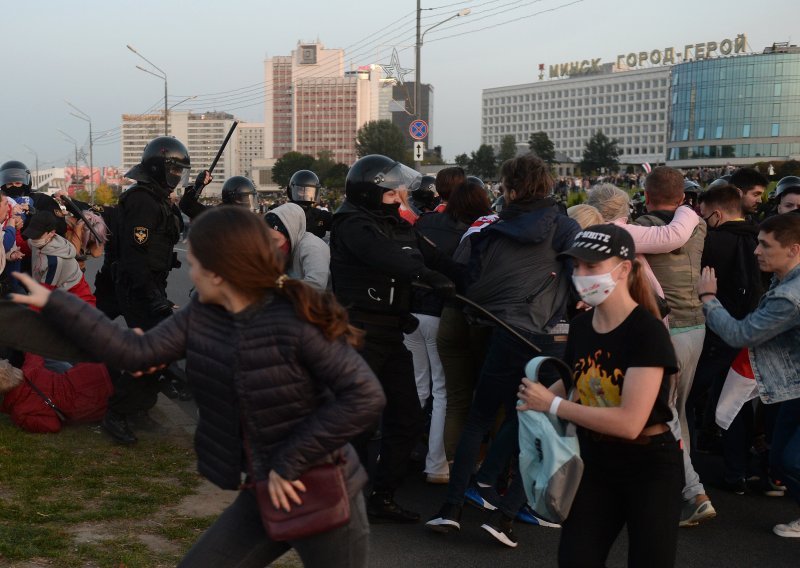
307, 256
275, 377
44, 395
772, 333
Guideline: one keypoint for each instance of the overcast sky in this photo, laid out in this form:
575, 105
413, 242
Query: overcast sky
55, 50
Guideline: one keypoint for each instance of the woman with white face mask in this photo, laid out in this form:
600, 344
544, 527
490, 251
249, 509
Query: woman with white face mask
621, 356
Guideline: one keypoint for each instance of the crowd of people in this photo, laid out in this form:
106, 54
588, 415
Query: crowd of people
318, 337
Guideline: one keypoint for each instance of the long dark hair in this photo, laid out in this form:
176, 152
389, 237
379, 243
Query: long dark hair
468, 202
234, 243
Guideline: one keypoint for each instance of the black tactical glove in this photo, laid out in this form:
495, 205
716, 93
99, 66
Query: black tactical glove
440, 283
161, 307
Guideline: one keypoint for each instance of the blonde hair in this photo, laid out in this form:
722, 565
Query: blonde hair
610, 201
585, 215
10, 376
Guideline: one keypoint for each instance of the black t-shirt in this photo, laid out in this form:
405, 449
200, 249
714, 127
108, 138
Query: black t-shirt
599, 360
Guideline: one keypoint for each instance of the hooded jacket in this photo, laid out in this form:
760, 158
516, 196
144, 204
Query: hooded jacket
55, 265
513, 268
309, 256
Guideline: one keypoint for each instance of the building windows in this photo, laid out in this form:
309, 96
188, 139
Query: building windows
776, 129
701, 133
777, 90
718, 133
746, 131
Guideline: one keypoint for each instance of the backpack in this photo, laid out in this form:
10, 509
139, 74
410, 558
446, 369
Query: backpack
550, 461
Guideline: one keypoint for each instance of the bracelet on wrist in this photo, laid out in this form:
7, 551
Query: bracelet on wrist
704, 294
554, 406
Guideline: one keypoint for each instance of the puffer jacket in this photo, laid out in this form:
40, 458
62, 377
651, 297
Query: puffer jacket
297, 396
310, 257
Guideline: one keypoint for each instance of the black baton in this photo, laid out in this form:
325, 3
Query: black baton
75, 210
222, 148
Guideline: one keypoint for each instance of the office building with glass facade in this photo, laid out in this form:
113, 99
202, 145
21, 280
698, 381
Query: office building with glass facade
735, 110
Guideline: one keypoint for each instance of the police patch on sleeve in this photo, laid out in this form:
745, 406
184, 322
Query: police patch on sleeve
141, 234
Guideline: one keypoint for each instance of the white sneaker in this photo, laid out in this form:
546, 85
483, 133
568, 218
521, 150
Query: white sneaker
789, 530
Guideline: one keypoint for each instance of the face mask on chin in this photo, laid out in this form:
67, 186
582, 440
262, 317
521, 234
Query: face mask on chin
595, 288
40, 242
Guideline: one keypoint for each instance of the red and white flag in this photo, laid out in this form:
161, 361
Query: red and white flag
740, 388
646, 167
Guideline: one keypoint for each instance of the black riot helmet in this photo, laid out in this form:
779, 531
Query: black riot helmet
238, 190
785, 184
423, 194
372, 176
476, 180
15, 172
724, 180
303, 187
166, 160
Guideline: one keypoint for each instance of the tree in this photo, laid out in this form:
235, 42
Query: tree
600, 152
541, 145
104, 195
381, 137
483, 163
508, 148
289, 163
335, 176
462, 160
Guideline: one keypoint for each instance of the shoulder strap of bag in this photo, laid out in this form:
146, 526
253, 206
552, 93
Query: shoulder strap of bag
534, 366
47, 401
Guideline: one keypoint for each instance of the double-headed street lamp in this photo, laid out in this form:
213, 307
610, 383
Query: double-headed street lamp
85, 117
420, 38
32, 151
69, 138
163, 77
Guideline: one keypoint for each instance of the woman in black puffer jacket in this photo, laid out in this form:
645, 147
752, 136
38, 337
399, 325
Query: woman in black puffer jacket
270, 360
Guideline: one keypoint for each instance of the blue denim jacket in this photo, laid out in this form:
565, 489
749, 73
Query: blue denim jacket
772, 333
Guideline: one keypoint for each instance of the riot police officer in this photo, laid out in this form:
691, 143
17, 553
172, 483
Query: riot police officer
304, 189
237, 190
147, 229
375, 258
423, 196
15, 179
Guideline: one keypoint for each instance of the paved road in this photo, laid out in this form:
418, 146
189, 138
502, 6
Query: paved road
740, 536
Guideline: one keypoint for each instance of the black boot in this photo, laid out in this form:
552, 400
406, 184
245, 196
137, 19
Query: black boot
381, 508
117, 427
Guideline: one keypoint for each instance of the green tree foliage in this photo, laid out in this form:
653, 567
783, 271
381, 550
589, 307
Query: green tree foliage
541, 145
483, 162
462, 160
600, 152
289, 163
382, 137
508, 148
335, 176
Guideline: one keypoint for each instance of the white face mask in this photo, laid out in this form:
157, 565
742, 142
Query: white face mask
595, 288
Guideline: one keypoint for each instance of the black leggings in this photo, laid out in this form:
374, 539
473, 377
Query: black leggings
625, 484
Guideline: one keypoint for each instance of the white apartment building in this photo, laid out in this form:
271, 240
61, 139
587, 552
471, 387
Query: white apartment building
629, 106
251, 147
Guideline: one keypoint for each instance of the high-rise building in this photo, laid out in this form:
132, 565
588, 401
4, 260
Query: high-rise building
202, 133
251, 147
313, 104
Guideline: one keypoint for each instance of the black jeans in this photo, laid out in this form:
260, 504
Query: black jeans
625, 484
403, 420
237, 540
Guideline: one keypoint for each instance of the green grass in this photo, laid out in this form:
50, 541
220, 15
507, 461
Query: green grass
75, 499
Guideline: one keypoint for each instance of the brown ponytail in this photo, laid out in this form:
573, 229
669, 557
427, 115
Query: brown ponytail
234, 243
640, 289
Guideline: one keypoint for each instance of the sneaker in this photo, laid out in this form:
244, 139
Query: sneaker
448, 519
478, 496
437, 478
116, 426
789, 530
382, 508
527, 516
768, 487
501, 528
144, 422
696, 511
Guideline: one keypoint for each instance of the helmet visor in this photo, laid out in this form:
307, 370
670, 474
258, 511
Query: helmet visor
13, 175
176, 175
247, 200
398, 177
304, 193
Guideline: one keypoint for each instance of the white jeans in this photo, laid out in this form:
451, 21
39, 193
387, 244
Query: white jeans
688, 346
429, 376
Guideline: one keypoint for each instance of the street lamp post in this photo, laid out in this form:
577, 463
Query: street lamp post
85, 117
69, 138
420, 38
32, 151
163, 77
